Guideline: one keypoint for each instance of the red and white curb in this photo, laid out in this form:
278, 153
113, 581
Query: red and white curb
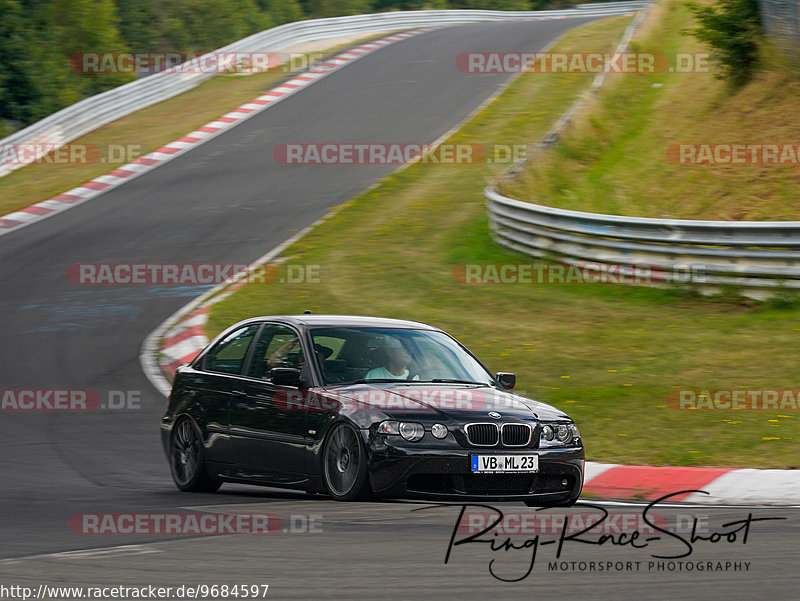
184, 341
724, 486
92, 189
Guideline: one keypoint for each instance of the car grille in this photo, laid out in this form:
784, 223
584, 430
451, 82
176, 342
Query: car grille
483, 435
516, 435
489, 434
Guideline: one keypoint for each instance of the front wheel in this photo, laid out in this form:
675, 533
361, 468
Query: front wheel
345, 464
187, 459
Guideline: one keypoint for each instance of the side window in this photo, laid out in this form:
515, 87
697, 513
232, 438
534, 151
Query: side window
332, 359
229, 353
278, 346
330, 346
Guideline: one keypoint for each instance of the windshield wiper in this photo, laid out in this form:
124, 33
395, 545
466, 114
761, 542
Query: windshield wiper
456, 381
369, 380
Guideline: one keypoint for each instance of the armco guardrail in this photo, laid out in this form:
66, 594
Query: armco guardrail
753, 254
96, 111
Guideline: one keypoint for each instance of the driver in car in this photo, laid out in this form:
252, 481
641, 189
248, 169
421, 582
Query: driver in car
397, 362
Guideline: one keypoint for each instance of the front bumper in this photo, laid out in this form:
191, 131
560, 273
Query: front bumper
400, 469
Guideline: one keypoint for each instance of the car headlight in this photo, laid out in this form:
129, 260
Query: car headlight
411, 431
564, 433
558, 434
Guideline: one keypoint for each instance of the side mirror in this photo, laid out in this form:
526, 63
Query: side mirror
506, 380
285, 376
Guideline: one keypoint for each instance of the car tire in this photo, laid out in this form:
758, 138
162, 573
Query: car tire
187, 459
344, 464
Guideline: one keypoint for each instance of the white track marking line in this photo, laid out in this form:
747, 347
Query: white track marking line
99, 552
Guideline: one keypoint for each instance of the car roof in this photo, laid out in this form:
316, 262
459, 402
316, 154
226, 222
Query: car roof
310, 320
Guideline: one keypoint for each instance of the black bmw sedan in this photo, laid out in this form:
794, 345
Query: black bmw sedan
359, 406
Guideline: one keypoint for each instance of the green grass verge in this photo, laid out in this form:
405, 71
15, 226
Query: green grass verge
616, 160
609, 355
144, 131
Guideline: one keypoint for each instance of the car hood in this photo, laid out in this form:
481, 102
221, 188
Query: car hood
459, 402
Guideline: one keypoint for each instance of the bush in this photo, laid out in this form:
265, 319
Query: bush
732, 28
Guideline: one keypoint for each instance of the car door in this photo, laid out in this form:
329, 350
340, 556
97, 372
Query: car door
210, 386
268, 435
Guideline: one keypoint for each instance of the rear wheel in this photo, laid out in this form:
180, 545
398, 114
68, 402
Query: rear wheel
345, 464
187, 459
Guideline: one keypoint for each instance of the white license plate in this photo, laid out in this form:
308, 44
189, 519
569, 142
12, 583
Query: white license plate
505, 463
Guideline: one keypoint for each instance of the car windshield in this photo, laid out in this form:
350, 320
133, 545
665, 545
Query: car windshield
356, 355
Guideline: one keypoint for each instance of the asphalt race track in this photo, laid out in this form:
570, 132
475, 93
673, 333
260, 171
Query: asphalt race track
229, 201
397, 550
